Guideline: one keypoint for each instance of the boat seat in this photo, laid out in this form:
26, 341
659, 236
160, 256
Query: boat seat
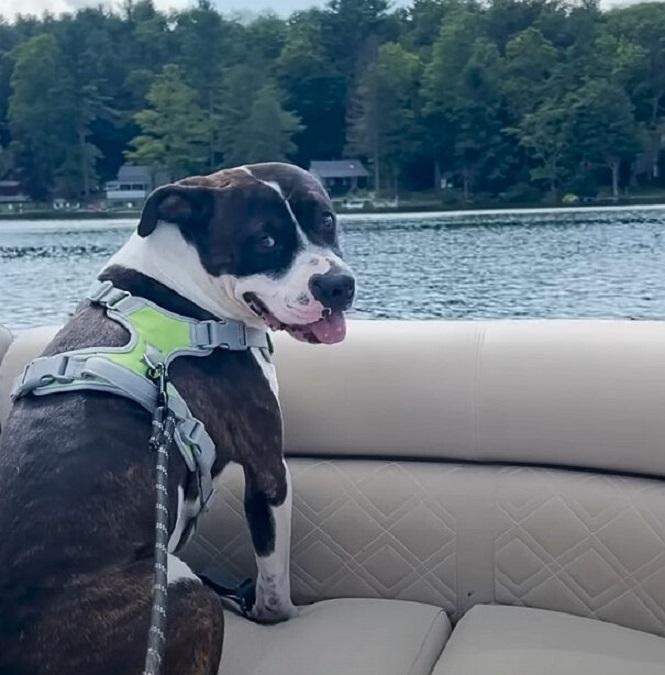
407, 520
500, 640
384, 637
339, 637
17, 353
5, 340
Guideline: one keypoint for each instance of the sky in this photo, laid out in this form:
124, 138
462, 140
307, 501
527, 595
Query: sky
12, 7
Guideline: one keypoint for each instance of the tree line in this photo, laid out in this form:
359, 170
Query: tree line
520, 100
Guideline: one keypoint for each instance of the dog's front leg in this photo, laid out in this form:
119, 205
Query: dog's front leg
268, 501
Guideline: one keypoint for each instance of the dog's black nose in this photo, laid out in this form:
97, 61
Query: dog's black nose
333, 290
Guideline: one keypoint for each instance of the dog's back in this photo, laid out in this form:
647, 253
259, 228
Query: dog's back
73, 496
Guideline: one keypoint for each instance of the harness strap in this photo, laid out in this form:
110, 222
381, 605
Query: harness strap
204, 335
241, 592
64, 373
123, 370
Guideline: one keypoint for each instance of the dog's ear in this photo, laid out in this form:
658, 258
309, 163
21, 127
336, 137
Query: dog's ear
180, 204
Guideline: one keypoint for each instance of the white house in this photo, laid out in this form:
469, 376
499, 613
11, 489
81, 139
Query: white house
134, 183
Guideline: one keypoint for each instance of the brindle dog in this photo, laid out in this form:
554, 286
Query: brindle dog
77, 483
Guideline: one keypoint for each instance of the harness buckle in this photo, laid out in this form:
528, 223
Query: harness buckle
191, 431
107, 295
242, 334
41, 373
59, 375
188, 433
209, 337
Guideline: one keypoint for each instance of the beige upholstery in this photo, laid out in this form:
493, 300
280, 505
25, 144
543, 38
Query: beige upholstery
5, 340
458, 535
24, 348
339, 637
579, 393
453, 464
519, 641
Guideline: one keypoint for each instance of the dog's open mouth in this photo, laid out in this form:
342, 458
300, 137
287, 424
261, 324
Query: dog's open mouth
328, 331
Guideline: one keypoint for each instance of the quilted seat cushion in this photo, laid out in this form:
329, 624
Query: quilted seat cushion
460, 535
495, 640
339, 637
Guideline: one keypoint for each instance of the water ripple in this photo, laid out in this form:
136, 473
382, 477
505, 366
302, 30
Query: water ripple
595, 263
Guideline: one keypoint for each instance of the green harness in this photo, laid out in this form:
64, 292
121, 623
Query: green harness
156, 337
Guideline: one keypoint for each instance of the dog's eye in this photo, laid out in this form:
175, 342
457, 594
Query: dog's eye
266, 242
327, 222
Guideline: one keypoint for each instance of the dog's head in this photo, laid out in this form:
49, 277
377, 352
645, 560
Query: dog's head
266, 247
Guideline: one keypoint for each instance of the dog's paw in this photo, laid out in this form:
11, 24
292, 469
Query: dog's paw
273, 612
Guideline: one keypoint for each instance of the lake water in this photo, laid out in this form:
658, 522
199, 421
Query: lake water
598, 263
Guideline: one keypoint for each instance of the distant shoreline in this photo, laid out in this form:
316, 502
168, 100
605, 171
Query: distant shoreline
415, 207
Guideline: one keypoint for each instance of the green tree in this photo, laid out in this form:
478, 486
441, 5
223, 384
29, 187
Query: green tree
88, 64
37, 114
314, 86
531, 67
267, 133
423, 21
77, 175
383, 126
207, 45
506, 97
6, 161
545, 132
643, 26
463, 103
174, 128
603, 126
443, 88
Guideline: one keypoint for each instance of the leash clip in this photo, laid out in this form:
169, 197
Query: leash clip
157, 373
162, 414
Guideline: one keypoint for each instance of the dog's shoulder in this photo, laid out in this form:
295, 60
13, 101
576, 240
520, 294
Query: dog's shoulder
88, 327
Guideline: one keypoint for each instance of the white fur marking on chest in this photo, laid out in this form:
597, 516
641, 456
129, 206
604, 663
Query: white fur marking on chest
269, 371
186, 510
177, 570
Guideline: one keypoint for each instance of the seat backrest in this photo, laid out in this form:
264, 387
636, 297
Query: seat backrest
5, 340
18, 353
586, 394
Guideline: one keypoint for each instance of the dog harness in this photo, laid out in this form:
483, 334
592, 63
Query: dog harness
157, 337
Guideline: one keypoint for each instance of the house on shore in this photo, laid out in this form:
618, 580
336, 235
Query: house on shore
133, 184
341, 176
11, 192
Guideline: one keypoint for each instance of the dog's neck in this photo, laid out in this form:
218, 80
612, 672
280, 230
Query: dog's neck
170, 262
140, 285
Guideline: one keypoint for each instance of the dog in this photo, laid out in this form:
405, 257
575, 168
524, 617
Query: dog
258, 244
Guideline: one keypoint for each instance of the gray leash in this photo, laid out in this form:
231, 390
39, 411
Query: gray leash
242, 593
163, 428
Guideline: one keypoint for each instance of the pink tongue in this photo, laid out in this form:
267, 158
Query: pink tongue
330, 330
